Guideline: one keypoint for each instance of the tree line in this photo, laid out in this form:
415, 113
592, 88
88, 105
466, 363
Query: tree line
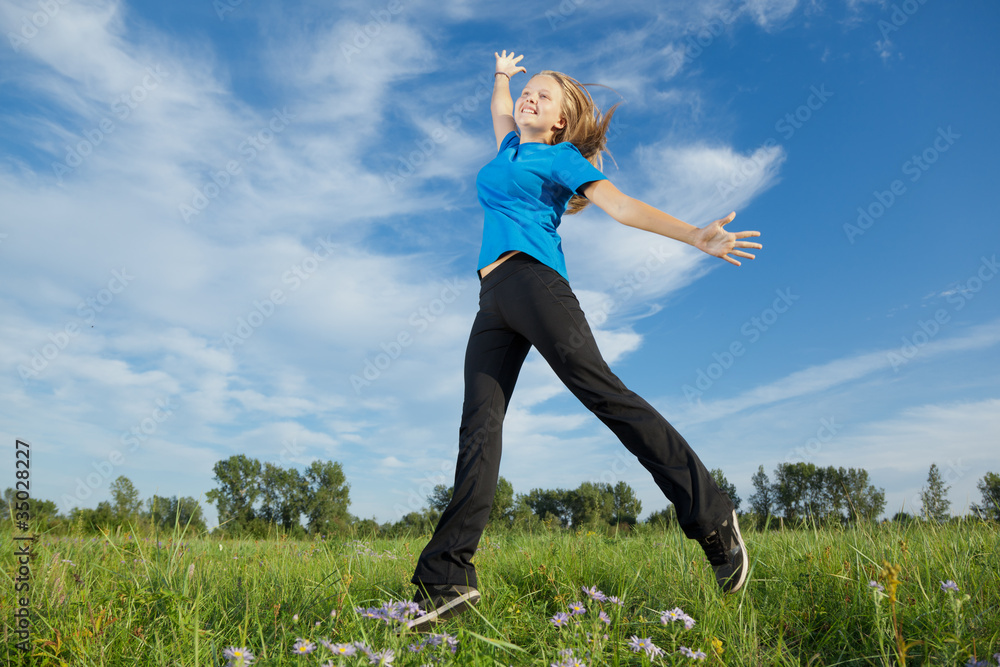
257, 500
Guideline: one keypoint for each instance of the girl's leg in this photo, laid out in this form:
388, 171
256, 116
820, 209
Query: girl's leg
493, 360
545, 311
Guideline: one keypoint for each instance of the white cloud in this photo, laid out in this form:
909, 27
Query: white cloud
822, 377
769, 14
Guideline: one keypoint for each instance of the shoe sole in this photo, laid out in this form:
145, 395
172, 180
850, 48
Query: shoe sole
448, 610
742, 573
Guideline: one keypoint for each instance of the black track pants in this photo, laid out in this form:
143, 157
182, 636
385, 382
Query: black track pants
522, 303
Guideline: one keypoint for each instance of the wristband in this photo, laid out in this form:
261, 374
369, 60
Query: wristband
504, 73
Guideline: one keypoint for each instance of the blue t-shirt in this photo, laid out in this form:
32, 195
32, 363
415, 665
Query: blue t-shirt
524, 191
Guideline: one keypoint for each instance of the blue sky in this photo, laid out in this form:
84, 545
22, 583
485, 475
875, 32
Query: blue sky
216, 215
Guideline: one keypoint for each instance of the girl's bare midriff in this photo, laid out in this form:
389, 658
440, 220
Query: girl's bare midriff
503, 258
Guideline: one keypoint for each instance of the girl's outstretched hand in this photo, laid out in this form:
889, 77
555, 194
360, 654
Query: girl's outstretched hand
716, 241
509, 64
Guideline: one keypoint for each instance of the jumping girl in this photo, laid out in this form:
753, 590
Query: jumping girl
549, 154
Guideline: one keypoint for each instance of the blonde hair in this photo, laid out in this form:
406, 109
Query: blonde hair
586, 126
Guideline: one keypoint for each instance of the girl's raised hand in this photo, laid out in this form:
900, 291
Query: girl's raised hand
716, 241
508, 64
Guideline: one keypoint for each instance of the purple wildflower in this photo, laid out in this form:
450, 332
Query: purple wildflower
645, 644
677, 614
697, 655
577, 608
560, 619
238, 657
368, 612
614, 600
303, 647
671, 616
451, 641
604, 617
949, 586
343, 649
594, 594
383, 657
416, 648
874, 584
569, 661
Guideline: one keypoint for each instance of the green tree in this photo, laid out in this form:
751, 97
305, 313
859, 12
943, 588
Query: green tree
282, 496
125, 502
590, 504
327, 496
523, 518
627, 507
8, 503
802, 490
762, 500
173, 512
934, 497
94, 520
440, 497
795, 490
550, 505
663, 518
502, 512
239, 479
989, 487
728, 488
860, 500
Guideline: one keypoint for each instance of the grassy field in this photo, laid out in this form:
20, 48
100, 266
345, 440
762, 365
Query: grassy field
809, 601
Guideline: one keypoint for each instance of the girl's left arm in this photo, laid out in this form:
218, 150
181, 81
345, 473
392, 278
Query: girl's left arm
712, 239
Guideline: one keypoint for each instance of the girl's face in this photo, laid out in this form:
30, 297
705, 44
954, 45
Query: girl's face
539, 109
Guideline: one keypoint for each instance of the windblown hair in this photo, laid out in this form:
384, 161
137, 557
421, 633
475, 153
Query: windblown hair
586, 126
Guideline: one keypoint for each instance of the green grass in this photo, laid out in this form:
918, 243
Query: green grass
129, 601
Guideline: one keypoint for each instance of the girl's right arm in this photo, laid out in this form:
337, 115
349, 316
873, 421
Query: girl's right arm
502, 106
